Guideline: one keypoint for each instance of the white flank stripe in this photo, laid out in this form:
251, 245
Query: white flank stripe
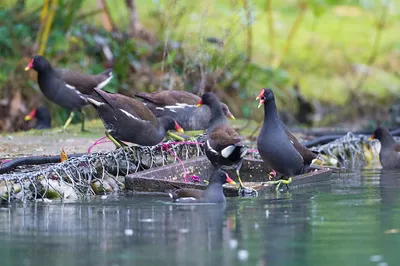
228, 151
211, 149
128, 114
105, 82
73, 88
244, 152
94, 102
185, 199
170, 195
159, 108
178, 106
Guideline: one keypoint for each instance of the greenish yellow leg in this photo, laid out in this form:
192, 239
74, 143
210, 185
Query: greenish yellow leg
242, 186
83, 115
116, 142
279, 182
71, 116
172, 135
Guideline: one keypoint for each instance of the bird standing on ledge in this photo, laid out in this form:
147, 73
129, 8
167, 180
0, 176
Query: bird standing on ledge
127, 119
223, 145
67, 88
274, 142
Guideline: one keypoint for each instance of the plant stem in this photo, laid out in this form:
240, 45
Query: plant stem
270, 22
47, 27
296, 25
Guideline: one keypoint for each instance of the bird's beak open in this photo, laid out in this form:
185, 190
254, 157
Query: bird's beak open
260, 97
200, 103
178, 128
229, 180
372, 137
30, 65
31, 115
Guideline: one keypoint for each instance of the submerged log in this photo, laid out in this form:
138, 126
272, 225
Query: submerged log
253, 173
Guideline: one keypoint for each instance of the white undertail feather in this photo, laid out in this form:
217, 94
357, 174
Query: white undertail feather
104, 82
94, 102
128, 114
210, 148
244, 151
226, 152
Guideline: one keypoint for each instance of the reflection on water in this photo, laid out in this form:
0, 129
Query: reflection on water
351, 222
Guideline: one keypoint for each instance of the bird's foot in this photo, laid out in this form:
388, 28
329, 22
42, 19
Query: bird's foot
279, 182
272, 175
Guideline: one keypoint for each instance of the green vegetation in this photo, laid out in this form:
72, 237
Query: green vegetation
341, 53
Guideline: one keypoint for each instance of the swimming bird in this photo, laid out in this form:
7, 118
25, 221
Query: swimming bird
389, 155
213, 194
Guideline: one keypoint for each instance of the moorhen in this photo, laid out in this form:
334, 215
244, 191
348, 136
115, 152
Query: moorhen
43, 117
127, 119
389, 155
213, 194
65, 87
181, 105
223, 145
276, 145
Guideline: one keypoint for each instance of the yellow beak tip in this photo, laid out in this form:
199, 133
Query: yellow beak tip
232, 117
198, 105
27, 118
232, 183
27, 68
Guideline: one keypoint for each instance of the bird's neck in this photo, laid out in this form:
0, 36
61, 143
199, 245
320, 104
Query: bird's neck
217, 117
387, 140
270, 111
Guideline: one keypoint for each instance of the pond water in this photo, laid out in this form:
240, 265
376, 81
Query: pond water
354, 221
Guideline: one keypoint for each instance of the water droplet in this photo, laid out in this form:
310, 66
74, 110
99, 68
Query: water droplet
233, 243
256, 226
184, 230
243, 255
103, 197
128, 232
267, 213
383, 263
376, 258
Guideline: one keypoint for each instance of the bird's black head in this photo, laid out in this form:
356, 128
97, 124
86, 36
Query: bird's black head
221, 177
265, 95
170, 124
380, 133
42, 115
38, 63
209, 99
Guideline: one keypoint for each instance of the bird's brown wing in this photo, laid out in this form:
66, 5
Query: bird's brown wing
307, 154
128, 104
163, 98
84, 83
224, 135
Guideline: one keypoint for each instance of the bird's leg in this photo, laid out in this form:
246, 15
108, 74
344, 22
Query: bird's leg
279, 182
83, 115
117, 143
242, 188
71, 116
174, 136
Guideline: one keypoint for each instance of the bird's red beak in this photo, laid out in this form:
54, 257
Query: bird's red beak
178, 128
259, 97
200, 103
30, 65
372, 137
31, 115
229, 180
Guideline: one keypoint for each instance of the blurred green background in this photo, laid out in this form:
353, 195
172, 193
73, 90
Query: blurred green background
329, 62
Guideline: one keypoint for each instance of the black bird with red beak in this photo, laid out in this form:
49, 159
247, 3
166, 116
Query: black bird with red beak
67, 88
274, 145
389, 155
42, 116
